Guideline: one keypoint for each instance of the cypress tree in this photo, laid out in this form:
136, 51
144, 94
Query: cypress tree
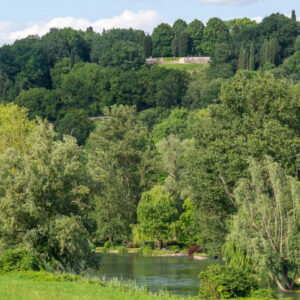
147, 46
243, 59
175, 47
252, 58
263, 54
273, 49
294, 15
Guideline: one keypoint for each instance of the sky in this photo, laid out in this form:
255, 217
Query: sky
20, 18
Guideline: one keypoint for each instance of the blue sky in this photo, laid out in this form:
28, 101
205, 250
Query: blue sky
19, 18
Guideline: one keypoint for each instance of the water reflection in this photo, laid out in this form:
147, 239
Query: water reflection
178, 275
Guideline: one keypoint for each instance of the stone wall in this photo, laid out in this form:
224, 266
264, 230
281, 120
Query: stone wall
182, 60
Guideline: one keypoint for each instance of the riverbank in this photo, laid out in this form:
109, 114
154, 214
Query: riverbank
150, 252
46, 286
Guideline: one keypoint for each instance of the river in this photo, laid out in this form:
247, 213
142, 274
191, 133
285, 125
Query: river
178, 275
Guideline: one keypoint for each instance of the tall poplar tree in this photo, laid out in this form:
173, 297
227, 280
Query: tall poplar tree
243, 59
252, 58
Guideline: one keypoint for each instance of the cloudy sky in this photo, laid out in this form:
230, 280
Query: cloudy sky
20, 18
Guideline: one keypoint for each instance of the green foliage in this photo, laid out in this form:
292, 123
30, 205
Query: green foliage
257, 116
175, 124
201, 95
268, 221
120, 48
18, 260
81, 87
162, 37
179, 27
297, 44
195, 30
236, 256
215, 31
155, 213
147, 46
252, 58
292, 65
183, 44
117, 161
264, 294
221, 65
75, 123
40, 102
219, 282
45, 200
125, 55
243, 59
14, 128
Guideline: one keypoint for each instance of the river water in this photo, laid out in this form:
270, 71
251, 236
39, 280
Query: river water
178, 275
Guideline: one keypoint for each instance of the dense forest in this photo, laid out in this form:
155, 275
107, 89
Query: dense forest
174, 159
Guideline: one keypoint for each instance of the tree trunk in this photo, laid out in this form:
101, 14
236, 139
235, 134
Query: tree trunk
159, 244
290, 285
280, 285
287, 286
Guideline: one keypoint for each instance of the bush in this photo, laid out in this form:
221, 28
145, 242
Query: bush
18, 260
193, 249
107, 244
263, 293
174, 247
219, 282
147, 250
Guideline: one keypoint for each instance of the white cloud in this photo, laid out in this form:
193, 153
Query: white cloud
257, 19
235, 2
143, 19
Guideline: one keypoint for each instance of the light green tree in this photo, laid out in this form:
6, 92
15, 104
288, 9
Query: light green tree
44, 200
268, 221
155, 213
14, 128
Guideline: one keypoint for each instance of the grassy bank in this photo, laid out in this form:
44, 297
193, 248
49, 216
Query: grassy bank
145, 251
35, 285
47, 286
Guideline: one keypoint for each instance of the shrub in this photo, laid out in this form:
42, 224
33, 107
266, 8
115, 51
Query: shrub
18, 260
147, 250
219, 282
263, 293
193, 249
107, 244
174, 247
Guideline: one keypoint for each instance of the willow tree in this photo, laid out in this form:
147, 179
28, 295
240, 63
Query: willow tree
268, 221
44, 200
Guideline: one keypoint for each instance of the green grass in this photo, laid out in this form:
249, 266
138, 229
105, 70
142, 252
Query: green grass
171, 58
196, 69
25, 286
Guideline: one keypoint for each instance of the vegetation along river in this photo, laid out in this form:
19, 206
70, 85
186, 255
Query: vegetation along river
178, 275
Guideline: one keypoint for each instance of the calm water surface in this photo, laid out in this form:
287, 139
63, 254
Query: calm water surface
178, 275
